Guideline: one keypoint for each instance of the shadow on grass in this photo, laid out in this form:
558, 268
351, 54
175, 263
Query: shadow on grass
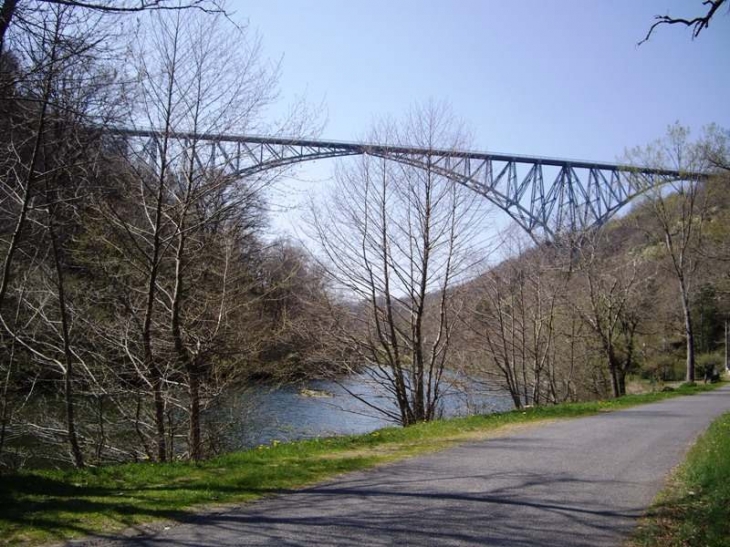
41, 506
53, 508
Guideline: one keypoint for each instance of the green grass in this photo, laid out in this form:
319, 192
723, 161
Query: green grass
43, 506
695, 508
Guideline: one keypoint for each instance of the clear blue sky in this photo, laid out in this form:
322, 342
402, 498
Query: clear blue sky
544, 77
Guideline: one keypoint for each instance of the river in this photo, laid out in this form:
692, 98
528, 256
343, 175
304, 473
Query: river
258, 415
320, 408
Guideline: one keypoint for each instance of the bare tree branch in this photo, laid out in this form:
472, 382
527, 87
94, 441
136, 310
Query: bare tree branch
698, 23
207, 6
9, 9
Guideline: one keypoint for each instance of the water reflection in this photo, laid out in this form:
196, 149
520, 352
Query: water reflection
323, 408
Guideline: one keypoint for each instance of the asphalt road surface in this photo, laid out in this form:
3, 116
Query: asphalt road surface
567, 483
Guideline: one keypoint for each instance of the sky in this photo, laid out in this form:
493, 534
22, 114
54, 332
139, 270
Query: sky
559, 78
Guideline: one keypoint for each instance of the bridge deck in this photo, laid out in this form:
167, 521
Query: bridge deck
378, 149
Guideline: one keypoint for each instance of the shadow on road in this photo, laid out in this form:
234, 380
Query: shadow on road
396, 510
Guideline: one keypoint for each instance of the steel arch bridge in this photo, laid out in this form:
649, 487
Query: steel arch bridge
545, 196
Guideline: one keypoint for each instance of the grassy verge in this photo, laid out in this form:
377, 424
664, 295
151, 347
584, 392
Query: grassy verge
694, 509
43, 506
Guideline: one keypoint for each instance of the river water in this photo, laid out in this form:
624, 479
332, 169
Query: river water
321, 408
259, 415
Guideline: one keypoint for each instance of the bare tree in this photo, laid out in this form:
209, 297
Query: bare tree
715, 147
396, 239
511, 314
56, 106
293, 290
679, 211
610, 300
184, 232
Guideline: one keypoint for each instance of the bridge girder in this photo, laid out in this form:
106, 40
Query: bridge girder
544, 196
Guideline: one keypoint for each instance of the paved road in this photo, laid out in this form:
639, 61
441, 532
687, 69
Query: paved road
570, 483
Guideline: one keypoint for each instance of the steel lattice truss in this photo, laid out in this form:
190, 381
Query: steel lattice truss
545, 196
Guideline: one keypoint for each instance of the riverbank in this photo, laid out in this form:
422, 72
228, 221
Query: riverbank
44, 506
694, 508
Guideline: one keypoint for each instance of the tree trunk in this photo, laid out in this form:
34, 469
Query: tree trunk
516, 399
67, 353
622, 382
689, 331
196, 449
183, 355
615, 384
6, 16
159, 403
5, 409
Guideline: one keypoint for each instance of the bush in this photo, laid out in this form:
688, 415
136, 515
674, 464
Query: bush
710, 361
667, 367
709, 366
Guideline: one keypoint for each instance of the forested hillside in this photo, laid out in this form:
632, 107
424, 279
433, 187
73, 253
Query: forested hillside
571, 320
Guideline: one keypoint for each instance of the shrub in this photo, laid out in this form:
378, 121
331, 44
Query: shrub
710, 361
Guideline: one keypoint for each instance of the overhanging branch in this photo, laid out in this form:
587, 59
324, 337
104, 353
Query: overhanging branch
698, 23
